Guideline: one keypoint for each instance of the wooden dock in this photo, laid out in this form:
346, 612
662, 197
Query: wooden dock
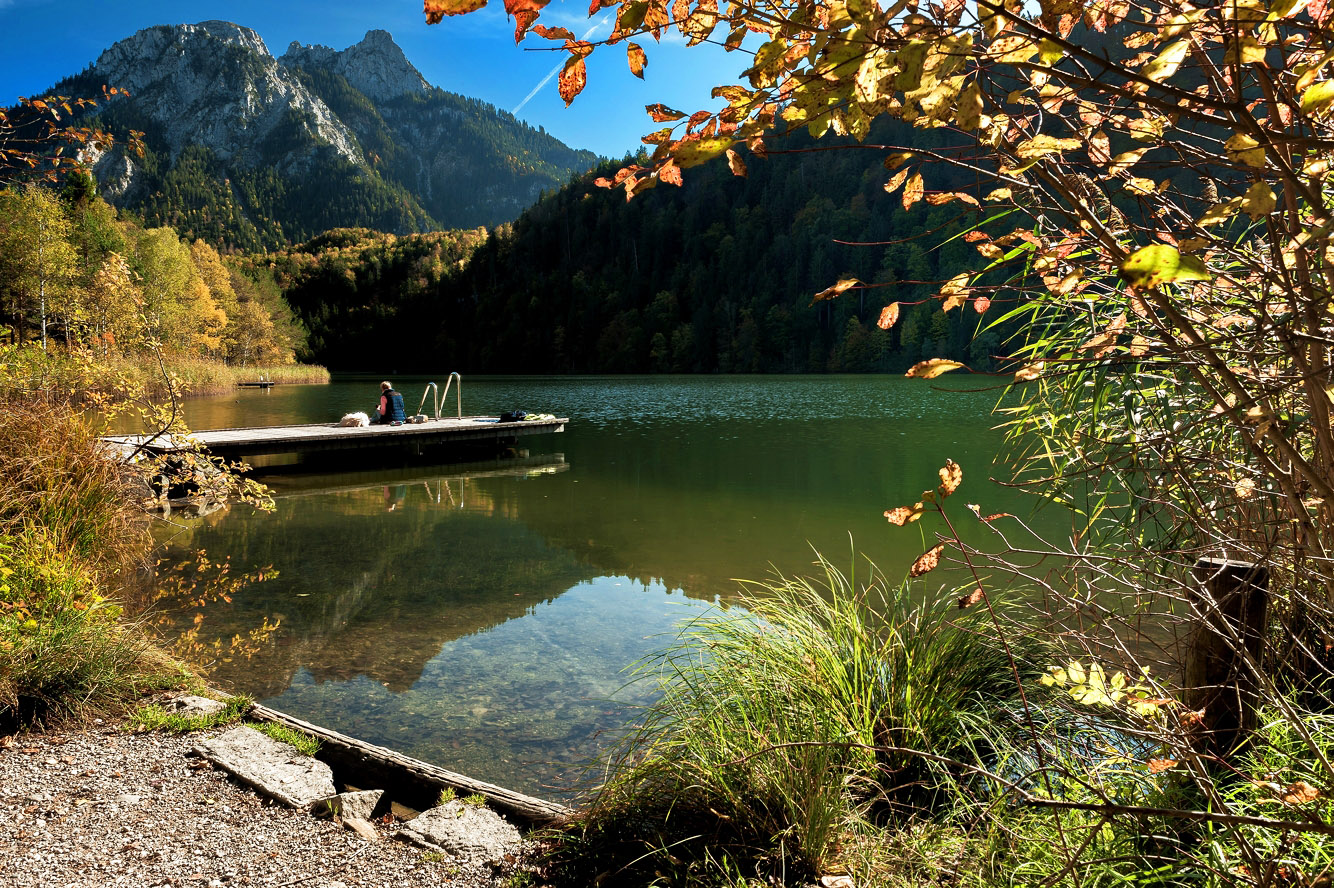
263, 384
327, 438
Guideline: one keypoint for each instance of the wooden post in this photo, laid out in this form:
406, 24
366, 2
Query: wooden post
1217, 681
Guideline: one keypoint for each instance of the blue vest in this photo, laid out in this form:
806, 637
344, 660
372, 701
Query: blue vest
393, 408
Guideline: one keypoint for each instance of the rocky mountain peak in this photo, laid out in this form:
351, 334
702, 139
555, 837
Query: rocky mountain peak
376, 66
216, 84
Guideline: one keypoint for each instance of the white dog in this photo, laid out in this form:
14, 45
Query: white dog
354, 420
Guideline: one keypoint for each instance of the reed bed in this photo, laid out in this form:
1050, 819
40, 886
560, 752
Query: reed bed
70, 532
786, 733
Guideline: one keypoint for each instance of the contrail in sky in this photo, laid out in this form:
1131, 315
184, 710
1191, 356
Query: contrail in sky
545, 80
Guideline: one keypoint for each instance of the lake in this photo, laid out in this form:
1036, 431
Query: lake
481, 616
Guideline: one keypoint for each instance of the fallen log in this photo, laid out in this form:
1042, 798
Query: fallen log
407, 780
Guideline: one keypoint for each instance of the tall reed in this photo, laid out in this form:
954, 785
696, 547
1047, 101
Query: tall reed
787, 726
69, 532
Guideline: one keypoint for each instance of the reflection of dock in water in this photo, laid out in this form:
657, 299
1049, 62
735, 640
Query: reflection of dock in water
288, 484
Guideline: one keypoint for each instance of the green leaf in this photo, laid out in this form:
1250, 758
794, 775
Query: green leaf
1161, 264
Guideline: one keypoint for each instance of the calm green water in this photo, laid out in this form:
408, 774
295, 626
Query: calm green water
480, 616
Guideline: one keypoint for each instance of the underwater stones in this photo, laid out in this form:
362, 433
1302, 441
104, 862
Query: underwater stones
273, 768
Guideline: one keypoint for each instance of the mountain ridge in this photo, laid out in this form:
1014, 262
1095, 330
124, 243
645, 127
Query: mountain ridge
249, 151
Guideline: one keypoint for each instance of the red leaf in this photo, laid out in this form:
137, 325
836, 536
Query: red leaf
981, 304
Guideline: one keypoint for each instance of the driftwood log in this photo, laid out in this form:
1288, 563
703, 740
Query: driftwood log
409, 781
1232, 598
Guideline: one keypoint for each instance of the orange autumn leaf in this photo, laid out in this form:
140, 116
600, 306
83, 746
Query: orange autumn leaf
553, 33
927, 561
904, 514
913, 191
637, 58
981, 304
889, 316
1158, 765
573, 79
437, 9
1299, 793
972, 598
836, 290
735, 163
662, 114
671, 174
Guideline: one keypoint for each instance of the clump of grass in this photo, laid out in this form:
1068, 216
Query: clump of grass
69, 531
303, 742
477, 800
155, 717
447, 795
786, 729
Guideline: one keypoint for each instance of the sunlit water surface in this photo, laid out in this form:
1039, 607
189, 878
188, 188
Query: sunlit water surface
483, 616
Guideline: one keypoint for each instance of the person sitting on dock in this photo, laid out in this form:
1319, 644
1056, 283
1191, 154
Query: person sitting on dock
390, 411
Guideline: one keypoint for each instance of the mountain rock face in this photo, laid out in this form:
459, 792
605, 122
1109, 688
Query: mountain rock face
250, 151
375, 66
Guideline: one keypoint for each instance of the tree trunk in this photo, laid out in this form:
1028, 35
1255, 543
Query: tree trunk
1231, 599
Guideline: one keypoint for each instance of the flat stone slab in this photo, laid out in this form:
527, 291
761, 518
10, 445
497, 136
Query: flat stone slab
273, 768
193, 705
473, 832
360, 805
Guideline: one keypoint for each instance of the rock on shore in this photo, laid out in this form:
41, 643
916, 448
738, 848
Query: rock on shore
102, 808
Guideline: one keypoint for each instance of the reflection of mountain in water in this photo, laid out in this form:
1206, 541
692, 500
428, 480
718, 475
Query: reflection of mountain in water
372, 580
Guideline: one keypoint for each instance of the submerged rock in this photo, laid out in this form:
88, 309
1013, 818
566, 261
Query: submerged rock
273, 768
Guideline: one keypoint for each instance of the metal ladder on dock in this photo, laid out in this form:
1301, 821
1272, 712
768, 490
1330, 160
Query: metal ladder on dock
439, 398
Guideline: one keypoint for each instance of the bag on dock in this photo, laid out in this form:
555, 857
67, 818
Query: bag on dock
513, 416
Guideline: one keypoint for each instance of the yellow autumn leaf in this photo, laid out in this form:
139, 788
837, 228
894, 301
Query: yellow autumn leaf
951, 476
1259, 201
1242, 149
1042, 145
1318, 98
1167, 61
932, 368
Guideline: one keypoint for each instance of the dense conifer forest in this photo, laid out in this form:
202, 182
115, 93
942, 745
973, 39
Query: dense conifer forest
716, 276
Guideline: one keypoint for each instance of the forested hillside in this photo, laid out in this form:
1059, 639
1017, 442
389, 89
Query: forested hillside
716, 276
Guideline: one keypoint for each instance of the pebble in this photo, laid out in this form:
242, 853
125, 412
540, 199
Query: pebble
87, 810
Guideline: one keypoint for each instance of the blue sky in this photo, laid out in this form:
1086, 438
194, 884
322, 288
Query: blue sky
475, 55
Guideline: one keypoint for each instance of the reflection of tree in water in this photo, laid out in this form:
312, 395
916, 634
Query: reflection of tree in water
359, 591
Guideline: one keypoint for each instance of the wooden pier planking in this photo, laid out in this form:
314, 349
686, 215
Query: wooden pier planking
324, 437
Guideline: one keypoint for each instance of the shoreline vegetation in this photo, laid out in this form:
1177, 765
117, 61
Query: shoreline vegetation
847, 729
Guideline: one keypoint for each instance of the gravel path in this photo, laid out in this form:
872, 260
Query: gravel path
103, 808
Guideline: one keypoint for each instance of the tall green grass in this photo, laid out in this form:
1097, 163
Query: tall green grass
69, 532
787, 732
